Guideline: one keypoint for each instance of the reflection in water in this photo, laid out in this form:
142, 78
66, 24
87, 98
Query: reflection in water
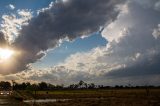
3, 101
45, 100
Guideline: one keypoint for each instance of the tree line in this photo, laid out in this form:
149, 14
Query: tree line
5, 85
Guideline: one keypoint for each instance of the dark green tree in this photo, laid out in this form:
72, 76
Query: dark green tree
43, 86
5, 85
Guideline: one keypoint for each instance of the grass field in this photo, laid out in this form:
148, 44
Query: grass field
101, 97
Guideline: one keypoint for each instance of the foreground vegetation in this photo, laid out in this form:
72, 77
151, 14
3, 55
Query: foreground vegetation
83, 94
5, 85
98, 97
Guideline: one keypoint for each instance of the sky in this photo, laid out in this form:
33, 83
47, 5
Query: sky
65, 41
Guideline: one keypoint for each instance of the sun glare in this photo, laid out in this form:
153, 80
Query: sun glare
5, 53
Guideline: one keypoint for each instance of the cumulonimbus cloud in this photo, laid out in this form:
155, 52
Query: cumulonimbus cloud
131, 55
62, 20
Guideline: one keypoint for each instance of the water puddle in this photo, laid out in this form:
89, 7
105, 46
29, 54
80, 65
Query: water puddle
45, 100
4, 101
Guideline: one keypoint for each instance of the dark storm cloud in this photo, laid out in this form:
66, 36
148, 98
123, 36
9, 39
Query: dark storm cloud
70, 19
140, 39
147, 67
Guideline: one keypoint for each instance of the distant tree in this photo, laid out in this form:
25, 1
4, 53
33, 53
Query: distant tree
13, 84
116, 86
60, 86
86, 85
5, 85
80, 83
105, 86
72, 86
101, 86
91, 85
76, 86
28, 84
34, 87
51, 87
23, 86
43, 86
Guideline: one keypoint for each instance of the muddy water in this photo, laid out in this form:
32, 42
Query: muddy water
45, 100
7, 101
4, 102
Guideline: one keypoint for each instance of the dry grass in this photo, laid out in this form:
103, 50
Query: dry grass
103, 97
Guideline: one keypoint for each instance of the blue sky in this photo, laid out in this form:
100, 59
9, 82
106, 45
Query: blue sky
60, 53
24, 4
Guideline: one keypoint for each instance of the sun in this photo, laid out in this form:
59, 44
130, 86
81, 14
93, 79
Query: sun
5, 53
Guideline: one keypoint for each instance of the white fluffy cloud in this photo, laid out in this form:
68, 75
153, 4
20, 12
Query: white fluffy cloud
11, 6
11, 24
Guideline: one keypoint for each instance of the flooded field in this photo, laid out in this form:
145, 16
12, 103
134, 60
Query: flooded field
100, 97
6, 100
84, 97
